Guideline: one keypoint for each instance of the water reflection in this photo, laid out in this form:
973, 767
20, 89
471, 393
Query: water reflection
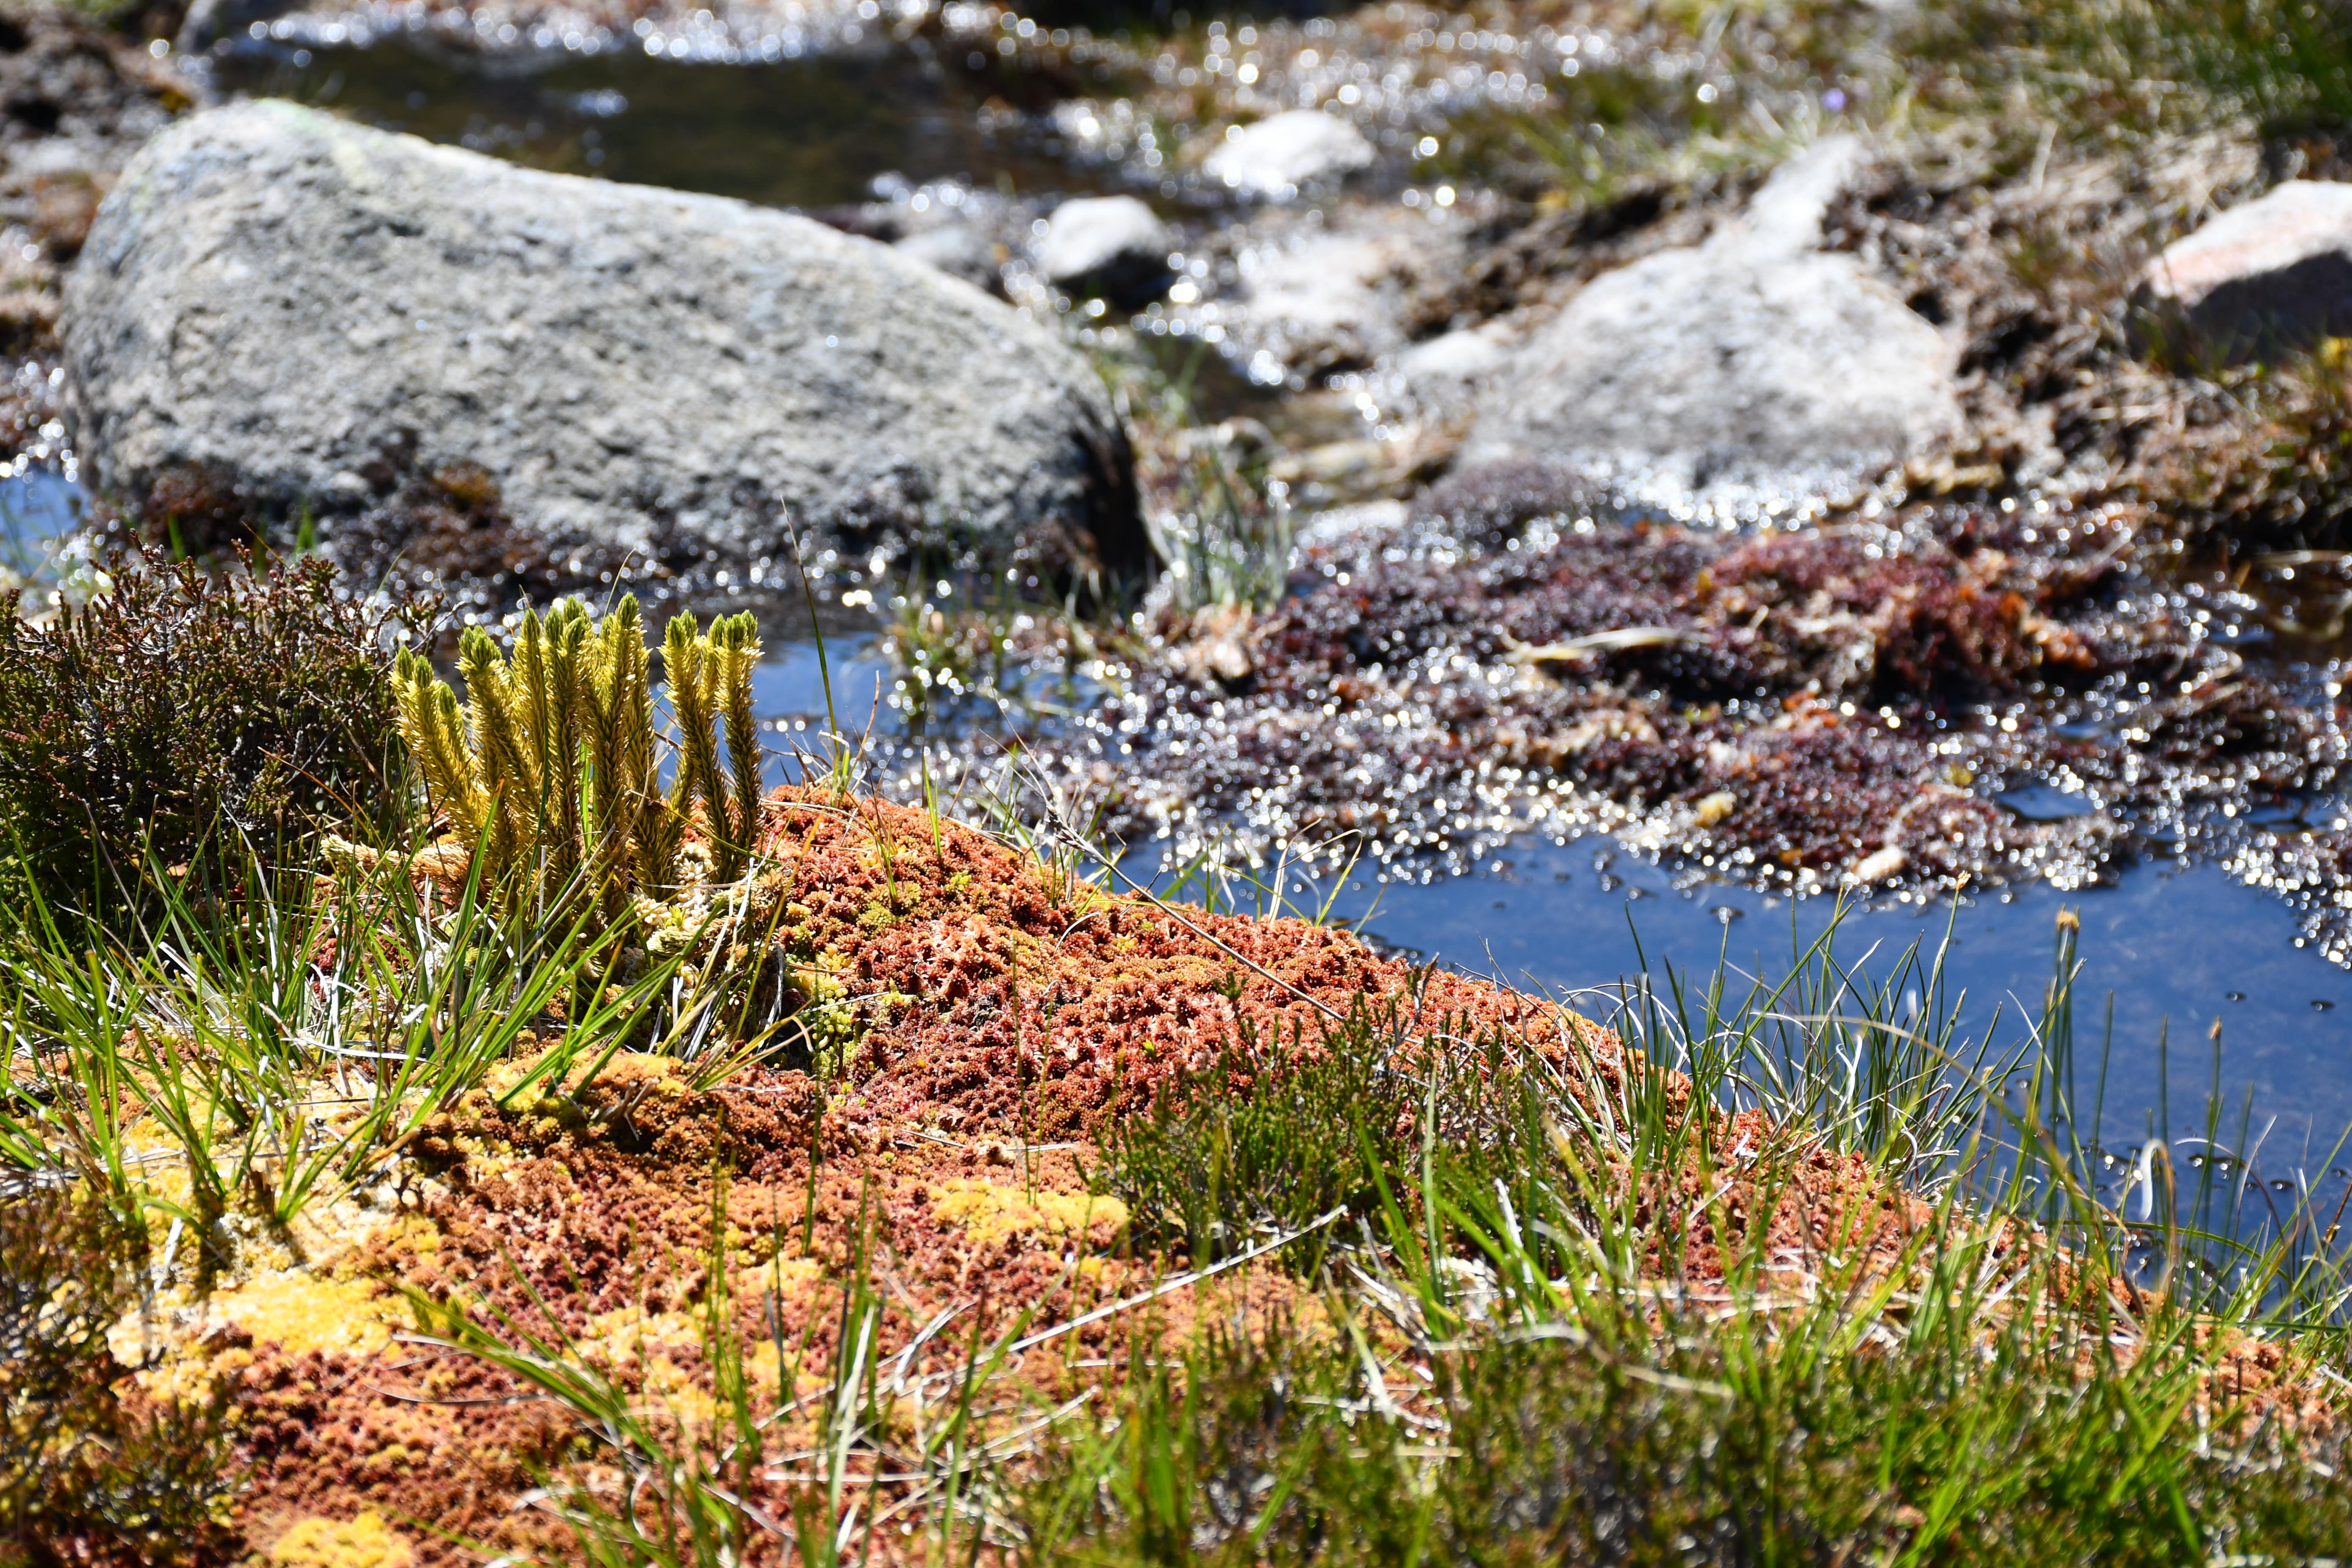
811, 133
38, 508
2168, 951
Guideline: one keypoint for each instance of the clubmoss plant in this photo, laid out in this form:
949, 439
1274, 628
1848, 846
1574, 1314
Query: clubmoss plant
552, 767
710, 679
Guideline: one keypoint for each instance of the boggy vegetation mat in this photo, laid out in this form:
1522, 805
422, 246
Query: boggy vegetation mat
1042, 1221
1739, 697
675, 1175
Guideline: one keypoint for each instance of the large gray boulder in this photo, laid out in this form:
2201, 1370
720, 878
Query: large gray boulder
2272, 274
315, 313
1751, 368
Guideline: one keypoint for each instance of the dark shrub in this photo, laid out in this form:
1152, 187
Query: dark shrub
93, 1470
182, 717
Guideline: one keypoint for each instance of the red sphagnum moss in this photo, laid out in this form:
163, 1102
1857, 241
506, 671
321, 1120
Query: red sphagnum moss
1006, 1017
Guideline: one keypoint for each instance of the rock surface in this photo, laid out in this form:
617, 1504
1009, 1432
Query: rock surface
1277, 156
318, 312
962, 250
1750, 368
1114, 245
1325, 293
2270, 274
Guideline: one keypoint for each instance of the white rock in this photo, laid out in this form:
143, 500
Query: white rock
1097, 235
2271, 273
1453, 358
1275, 156
1750, 368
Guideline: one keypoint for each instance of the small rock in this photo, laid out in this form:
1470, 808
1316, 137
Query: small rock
961, 250
279, 297
1751, 368
1878, 866
2271, 274
1452, 361
1275, 156
1714, 808
1112, 245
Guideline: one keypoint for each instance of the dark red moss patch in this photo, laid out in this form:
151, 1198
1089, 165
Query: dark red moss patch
1790, 704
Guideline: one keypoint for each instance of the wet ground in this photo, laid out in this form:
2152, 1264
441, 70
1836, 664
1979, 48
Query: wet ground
2171, 946
2069, 713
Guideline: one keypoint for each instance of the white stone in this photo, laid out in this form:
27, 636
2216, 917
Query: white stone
1094, 235
1275, 156
2268, 273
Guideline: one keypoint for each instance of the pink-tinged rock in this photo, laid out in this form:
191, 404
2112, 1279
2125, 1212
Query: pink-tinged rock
2266, 276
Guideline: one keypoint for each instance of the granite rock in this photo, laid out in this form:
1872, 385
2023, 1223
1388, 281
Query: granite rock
316, 312
1750, 369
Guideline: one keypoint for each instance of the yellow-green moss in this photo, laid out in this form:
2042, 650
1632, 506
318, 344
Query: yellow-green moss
989, 1213
362, 1543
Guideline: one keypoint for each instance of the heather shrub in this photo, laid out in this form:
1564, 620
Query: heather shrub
184, 721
